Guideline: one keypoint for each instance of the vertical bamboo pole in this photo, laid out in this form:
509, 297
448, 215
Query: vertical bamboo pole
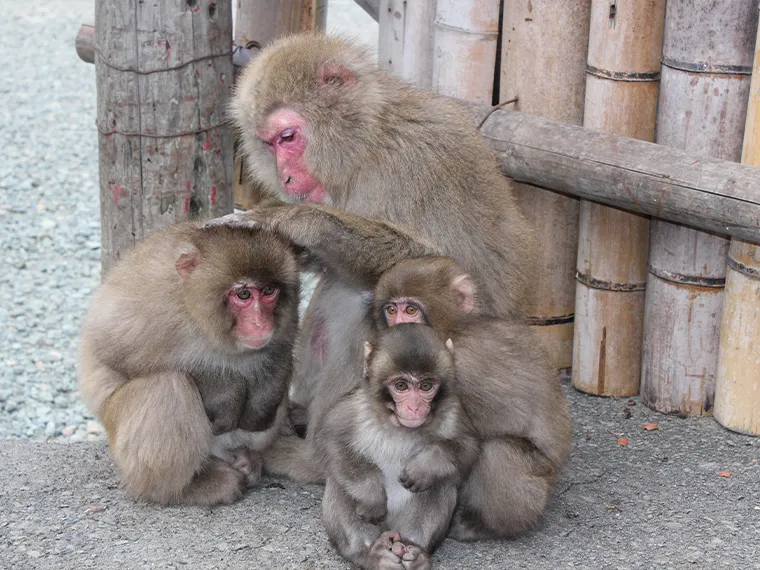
466, 34
405, 39
737, 389
258, 22
163, 76
623, 72
544, 46
706, 65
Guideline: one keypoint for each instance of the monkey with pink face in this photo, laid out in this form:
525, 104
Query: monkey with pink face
186, 357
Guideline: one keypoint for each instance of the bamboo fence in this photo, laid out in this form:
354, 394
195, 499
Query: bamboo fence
405, 40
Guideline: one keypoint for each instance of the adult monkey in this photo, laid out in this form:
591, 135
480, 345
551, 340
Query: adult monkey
382, 172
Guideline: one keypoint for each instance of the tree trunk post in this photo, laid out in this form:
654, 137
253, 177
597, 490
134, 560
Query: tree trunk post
544, 45
622, 78
405, 40
707, 61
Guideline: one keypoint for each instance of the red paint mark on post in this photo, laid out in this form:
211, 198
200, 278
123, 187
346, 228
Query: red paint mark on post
187, 205
117, 191
213, 195
207, 144
187, 186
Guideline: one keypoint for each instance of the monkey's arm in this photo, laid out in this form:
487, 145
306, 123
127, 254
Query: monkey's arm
443, 461
359, 249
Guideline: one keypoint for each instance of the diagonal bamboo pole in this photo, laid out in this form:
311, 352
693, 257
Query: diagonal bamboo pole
737, 390
623, 72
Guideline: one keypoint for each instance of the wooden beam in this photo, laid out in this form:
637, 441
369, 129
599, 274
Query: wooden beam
645, 178
84, 42
372, 7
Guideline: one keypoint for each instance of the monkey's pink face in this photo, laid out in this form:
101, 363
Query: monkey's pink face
412, 399
253, 309
285, 136
402, 311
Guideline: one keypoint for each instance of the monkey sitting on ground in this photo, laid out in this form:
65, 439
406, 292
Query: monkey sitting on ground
505, 385
397, 448
186, 357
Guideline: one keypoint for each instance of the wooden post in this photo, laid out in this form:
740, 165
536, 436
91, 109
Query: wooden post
405, 40
707, 61
257, 23
544, 45
163, 77
464, 61
84, 42
737, 388
623, 72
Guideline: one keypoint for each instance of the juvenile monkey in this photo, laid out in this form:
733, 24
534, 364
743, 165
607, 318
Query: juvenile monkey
396, 448
185, 357
506, 386
377, 172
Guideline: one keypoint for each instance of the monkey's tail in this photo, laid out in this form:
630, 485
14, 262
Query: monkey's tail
291, 457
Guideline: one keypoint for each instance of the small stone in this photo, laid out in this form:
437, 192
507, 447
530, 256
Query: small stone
94, 428
54, 356
68, 431
50, 429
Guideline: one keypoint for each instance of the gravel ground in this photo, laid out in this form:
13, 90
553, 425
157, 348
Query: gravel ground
49, 211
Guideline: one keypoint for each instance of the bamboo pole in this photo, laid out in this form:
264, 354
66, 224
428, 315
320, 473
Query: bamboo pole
737, 389
544, 45
623, 71
707, 58
257, 23
163, 77
466, 34
405, 40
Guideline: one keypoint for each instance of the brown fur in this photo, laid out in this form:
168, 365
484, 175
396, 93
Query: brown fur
148, 339
407, 174
508, 389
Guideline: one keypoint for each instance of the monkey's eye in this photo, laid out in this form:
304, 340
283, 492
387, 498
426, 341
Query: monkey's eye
268, 143
411, 310
426, 386
267, 291
244, 294
288, 136
390, 309
401, 385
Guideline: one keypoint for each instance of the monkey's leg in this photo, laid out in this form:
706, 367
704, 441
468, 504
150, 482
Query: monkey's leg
505, 494
160, 439
355, 539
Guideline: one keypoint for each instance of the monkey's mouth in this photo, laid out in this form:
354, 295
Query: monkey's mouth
255, 341
314, 195
412, 422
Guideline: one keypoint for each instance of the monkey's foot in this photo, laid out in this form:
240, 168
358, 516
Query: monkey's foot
389, 552
248, 462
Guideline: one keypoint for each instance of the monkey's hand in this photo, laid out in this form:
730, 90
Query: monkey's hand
428, 467
372, 507
233, 221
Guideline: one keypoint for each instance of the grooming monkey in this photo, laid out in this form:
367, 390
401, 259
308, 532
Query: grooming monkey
505, 385
398, 445
378, 172
186, 357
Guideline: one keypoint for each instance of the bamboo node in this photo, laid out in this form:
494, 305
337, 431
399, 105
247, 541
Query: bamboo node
739, 267
643, 76
707, 67
536, 321
594, 283
690, 280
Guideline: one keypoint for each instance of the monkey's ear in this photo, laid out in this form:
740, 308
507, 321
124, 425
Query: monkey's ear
450, 346
186, 263
332, 73
464, 287
367, 353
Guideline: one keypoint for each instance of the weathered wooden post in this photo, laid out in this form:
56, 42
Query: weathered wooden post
623, 73
163, 76
464, 61
707, 59
737, 388
543, 64
258, 22
405, 39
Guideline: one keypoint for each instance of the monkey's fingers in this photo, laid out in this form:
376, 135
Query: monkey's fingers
382, 555
414, 558
233, 221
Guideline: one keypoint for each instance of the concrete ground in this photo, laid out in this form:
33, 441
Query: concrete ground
685, 495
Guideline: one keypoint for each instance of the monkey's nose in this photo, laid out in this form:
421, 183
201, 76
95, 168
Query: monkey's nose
289, 180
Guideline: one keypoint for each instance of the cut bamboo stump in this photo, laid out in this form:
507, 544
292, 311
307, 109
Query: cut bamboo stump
405, 40
737, 388
466, 34
623, 72
163, 76
544, 45
703, 100
257, 23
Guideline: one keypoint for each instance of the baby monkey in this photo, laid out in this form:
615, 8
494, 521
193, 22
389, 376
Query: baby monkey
185, 357
398, 446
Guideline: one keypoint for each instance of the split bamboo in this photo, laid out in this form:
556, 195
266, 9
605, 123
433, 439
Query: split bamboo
466, 34
163, 72
707, 59
737, 388
623, 72
257, 23
544, 46
405, 40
